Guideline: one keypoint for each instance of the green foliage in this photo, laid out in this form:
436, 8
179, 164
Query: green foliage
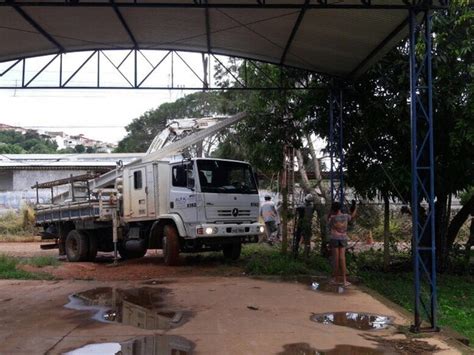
466, 195
368, 216
264, 260
455, 297
400, 229
12, 142
142, 130
9, 270
79, 148
41, 261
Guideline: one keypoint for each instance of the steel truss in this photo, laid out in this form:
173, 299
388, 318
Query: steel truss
136, 69
336, 139
422, 172
204, 4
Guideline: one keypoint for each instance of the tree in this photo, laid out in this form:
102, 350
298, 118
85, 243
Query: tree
29, 142
377, 127
142, 130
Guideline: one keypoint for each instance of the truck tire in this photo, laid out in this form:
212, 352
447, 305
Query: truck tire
92, 238
171, 245
232, 251
77, 246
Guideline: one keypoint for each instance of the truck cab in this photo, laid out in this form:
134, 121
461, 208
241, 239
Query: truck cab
193, 205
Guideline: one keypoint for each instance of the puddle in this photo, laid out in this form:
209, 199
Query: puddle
306, 349
361, 321
97, 349
142, 307
149, 345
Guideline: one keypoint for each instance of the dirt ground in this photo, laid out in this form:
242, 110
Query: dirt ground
226, 313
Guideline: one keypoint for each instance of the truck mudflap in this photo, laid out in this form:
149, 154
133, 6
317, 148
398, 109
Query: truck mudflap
228, 230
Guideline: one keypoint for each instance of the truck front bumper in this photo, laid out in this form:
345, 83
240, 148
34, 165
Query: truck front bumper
228, 230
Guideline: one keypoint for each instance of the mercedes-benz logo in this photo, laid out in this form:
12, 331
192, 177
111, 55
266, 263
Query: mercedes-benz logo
235, 212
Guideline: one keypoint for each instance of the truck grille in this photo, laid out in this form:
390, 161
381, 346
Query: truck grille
228, 213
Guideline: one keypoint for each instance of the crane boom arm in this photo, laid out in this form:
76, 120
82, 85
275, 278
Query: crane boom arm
171, 149
194, 138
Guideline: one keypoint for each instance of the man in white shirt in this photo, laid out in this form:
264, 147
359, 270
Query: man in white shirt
270, 215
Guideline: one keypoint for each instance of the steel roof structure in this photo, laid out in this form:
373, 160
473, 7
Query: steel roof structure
341, 38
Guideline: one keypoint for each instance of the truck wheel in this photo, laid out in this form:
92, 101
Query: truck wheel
92, 238
171, 245
77, 246
232, 251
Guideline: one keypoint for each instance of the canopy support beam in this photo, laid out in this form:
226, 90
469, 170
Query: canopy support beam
293, 32
124, 24
37, 27
422, 173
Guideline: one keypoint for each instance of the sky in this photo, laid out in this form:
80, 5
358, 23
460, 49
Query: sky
98, 114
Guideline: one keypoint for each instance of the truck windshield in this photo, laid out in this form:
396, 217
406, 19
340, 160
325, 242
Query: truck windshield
226, 177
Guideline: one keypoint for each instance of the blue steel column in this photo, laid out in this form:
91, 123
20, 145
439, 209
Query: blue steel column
336, 140
422, 170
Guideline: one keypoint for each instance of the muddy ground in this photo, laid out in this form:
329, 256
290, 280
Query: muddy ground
220, 312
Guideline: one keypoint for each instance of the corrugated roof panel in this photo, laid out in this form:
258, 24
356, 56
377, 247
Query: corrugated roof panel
79, 27
18, 36
334, 41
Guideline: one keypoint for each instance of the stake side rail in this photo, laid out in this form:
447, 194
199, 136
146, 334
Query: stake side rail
74, 211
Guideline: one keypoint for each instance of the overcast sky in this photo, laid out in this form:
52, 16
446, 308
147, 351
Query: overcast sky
99, 114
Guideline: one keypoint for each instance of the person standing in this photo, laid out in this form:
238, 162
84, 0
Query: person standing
303, 223
270, 216
338, 222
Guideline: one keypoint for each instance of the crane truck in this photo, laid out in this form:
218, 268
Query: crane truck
159, 201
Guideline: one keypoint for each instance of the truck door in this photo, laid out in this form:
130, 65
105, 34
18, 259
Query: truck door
138, 192
182, 192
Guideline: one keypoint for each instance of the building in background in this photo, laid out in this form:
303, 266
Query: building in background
19, 172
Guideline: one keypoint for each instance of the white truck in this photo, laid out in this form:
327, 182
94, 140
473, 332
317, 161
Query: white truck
157, 202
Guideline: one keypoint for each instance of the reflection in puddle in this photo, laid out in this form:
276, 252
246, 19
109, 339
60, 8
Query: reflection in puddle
140, 307
146, 345
361, 321
306, 349
97, 349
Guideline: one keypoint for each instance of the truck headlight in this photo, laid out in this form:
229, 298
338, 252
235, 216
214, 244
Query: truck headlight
210, 230
262, 229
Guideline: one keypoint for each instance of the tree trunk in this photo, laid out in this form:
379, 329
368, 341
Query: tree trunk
319, 205
440, 230
458, 220
284, 210
469, 244
386, 232
317, 168
302, 170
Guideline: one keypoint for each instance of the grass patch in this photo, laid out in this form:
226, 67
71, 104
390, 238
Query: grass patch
455, 293
41, 261
9, 270
260, 259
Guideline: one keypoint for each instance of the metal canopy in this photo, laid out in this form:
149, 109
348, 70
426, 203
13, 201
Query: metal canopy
340, 38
